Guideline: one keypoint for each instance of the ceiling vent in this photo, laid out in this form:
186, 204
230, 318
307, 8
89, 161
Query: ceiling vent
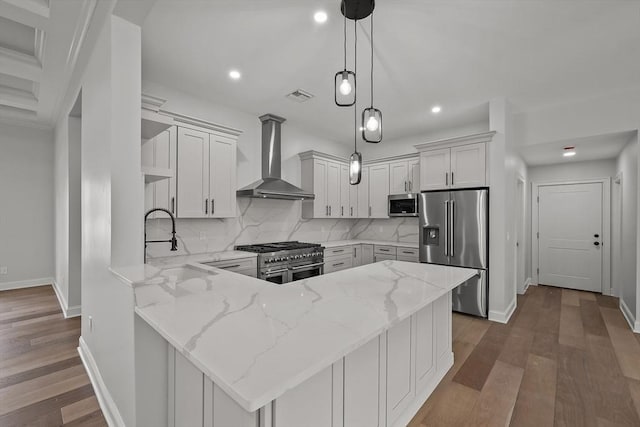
299, 96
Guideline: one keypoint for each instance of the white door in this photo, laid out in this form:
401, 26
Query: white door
434, 169
320, 206
222, 176
379, 190
570, 241
193, 173
344, 191
363, 194
398, 178
468, 166
333, 189
414, 176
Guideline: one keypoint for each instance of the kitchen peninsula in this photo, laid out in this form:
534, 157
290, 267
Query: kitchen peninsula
359, 347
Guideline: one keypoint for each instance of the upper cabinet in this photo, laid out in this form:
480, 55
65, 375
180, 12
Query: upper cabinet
404, 176
322, 178
159, 153
206, 175
455, 163
379, 190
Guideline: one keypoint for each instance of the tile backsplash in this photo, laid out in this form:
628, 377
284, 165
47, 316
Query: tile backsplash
264, 220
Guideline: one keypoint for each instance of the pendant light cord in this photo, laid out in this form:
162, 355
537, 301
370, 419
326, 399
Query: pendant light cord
345, 42
355, 71
372, 60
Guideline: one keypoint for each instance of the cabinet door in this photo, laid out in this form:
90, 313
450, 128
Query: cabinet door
353, 201
320, 205
160, 152
222, 177
434, 169
363, 194
468, 166
362, 386
344, 191
333, 189
384, 257
187, 393
193, 173
308, 404
398, 178
338, 263
367, 254
379, 190
357, 255
400, 372
414, 176
425, 350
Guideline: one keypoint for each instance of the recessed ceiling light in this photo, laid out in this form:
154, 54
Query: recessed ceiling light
436, 109
235, 74
569, 151
320, 17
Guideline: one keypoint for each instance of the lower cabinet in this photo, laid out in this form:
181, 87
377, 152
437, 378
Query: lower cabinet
246, 266
400, 370
367, 254
407, 254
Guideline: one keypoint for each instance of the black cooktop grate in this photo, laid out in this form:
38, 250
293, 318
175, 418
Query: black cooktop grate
277, 246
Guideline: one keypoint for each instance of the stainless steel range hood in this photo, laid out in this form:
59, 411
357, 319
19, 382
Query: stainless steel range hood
272, 186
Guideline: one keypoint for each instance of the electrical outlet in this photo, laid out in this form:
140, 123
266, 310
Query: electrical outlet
3, 270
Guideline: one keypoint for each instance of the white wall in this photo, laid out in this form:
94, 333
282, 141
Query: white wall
26, 201
573, 171
624, 262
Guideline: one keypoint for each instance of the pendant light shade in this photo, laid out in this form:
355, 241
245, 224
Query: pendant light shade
355, 168
345, 88
372, 125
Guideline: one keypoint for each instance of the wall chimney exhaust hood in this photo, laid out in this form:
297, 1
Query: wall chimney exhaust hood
272, 186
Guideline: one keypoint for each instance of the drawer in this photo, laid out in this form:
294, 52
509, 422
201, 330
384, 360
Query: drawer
407, 252
338, 263
338, 251
407, 258
385, 250
383, 257
246, 266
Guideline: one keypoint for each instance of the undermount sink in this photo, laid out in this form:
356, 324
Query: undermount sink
180, 274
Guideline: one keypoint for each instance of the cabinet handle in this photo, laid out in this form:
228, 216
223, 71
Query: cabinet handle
230, 266
446, 179
206, 206
173, 205
213, 206
383, 250
329, 210
341, 210
405, 186
407, 252
452, 178
337, 264
369, 210
351, 210
326, 210
410, 186
338, 251
355, 252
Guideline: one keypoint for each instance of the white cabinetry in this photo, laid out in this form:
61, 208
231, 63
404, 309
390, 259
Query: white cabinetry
206, 175
407, 254
404, 176
345, 193
324, 178
364, 208
309, 404
337, 259
362, 375
367, 254
454, 163
246, 266
159, 153
378, 190
400, 372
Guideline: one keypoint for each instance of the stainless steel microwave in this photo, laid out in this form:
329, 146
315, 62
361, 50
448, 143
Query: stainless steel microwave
403, 204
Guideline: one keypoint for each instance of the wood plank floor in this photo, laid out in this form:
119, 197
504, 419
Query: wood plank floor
566, 358
42, 379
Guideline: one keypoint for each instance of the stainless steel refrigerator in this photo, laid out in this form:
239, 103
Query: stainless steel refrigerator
454, 230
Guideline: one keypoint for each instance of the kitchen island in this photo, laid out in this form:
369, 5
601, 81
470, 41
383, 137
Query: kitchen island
359, 347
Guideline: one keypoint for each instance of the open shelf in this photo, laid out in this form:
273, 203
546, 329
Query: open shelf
156, 174
154, 124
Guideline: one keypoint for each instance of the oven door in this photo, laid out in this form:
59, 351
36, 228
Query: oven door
301, 272
279, 276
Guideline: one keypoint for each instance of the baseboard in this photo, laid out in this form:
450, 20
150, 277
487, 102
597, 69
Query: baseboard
634, 324
7, 286
527, 283
503, 316
107, 405
73, 311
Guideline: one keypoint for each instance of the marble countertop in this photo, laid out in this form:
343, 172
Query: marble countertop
257, 340
336, 243
176, 261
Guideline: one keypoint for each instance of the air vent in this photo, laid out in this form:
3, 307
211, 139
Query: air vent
299, 96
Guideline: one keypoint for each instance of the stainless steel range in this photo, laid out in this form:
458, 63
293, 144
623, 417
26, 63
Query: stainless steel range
284, 262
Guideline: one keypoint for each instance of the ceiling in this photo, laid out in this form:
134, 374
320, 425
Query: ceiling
458, 54
39, 44
596, 147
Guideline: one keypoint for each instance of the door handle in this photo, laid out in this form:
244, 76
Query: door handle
596, 243
213, 206
446, 179
451, 177
596, 235
446, 228
452, 212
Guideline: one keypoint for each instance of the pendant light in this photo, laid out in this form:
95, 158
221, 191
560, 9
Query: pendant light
372, 117
355, 161
345, 80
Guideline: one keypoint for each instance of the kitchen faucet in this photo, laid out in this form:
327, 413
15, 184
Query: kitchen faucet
173, 241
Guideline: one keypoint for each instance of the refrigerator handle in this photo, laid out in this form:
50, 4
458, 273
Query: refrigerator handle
446, 227
452, 210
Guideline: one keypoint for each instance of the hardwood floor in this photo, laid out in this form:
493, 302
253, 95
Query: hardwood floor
566, 358
42, 379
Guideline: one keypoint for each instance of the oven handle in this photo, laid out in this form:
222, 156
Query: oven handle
270, 273
307, 266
